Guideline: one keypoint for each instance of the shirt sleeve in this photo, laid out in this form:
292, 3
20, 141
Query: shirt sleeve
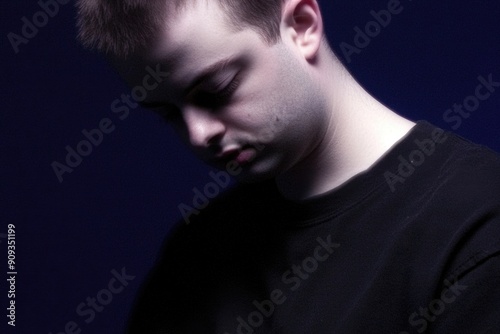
468, 304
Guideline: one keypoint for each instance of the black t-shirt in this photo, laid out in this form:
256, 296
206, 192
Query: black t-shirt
411, 245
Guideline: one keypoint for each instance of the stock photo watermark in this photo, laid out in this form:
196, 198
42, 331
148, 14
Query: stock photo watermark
456, 114
88, 309
121, 108
31, 26
293, 278
11, 274
421, 318
364, 36
426, 147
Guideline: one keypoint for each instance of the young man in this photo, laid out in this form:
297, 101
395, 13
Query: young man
356, 220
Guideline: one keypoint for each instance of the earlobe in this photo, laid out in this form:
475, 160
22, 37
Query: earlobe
303, 23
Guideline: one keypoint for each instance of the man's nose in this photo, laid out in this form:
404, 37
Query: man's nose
203, 126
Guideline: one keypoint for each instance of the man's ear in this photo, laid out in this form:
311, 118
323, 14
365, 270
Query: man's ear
302, 24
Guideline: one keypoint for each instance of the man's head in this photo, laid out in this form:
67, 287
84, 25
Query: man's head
254, 92
122, 27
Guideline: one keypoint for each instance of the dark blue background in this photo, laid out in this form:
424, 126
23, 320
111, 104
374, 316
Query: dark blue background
115, 208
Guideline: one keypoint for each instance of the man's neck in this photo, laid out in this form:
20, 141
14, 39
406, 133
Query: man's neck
361, 130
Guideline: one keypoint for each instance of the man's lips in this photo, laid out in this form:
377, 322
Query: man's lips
246, 156
241, 156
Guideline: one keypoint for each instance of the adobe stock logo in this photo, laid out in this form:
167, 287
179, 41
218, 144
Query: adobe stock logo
483, 91
121, 107
293, 278
424, 148
421, 319
455, 116
372, 29
93, 305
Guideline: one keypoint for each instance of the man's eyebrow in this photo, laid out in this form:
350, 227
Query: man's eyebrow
207, 73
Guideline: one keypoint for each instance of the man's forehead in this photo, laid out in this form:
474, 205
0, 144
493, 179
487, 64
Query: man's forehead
193, 36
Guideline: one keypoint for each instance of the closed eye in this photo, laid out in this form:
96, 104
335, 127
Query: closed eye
207, 97
229, 90
217, 98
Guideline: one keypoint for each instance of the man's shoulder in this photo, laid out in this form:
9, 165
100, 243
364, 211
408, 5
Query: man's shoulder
460, 200
446, 165
470, 173
447, 188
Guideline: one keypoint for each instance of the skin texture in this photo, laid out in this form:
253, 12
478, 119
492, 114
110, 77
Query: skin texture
289, 111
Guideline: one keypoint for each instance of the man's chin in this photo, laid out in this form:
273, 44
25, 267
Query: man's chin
252, 174
251, 178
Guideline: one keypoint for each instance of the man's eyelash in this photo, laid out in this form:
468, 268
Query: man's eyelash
228, 90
